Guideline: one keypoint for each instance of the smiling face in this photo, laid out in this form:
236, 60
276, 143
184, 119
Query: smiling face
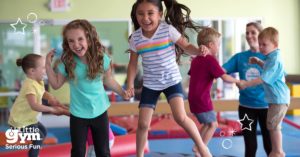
252, 37
148, 17
77, 41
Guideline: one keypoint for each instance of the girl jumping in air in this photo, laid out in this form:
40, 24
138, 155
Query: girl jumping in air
160, 44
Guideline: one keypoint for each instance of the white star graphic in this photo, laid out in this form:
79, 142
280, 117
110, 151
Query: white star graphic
247, 119
13, 25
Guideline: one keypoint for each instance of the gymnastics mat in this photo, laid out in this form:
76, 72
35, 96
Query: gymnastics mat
123, 146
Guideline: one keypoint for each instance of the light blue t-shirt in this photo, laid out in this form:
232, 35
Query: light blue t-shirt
252, 97
273, 76
88, 97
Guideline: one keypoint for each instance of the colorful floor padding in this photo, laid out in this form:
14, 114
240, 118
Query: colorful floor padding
224, 146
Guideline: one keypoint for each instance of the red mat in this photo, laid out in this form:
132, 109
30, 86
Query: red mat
123, 146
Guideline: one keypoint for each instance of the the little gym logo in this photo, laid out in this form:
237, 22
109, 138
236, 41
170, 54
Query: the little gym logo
28, 134
21, 136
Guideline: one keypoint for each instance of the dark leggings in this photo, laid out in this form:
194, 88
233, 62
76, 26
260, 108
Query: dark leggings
79, 129
250, 137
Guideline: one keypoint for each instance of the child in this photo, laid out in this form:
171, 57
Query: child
155, 41
84, 64
251, 99
28, 105
277, 94
203, 72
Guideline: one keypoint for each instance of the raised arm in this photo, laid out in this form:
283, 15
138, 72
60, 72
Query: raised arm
190, 48
56, 80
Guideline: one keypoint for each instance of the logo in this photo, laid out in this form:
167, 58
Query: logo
19, 138
251, 74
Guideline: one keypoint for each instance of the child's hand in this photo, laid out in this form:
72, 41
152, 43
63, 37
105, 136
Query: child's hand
203, 50
49, 57
128, 94
57, 110
254, 60
55, 103
65, 107
64, 111
131, 92
242, 84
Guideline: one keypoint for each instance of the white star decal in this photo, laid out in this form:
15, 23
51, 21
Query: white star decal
19, 22
246, 119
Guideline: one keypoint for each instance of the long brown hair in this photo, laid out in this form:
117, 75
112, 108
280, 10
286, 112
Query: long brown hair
94, 54
176, 14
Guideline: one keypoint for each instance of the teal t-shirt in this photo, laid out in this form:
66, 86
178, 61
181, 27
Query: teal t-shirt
88, 97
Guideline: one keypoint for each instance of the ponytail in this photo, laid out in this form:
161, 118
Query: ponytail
180, 20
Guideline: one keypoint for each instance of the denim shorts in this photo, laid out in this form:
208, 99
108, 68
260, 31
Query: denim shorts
149, 97
206, 117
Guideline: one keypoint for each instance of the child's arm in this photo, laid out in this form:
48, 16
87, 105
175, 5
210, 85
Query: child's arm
255, 60
53, 101
190, 48
31, 98
111, 83
244, 84
228, 78
56, 80
131, 71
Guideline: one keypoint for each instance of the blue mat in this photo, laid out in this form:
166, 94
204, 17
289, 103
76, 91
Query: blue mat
232, 146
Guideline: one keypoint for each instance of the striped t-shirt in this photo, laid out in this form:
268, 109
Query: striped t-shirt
158, 56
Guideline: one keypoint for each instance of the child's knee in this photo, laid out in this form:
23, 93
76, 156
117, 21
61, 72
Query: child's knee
180, 119
143, 125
